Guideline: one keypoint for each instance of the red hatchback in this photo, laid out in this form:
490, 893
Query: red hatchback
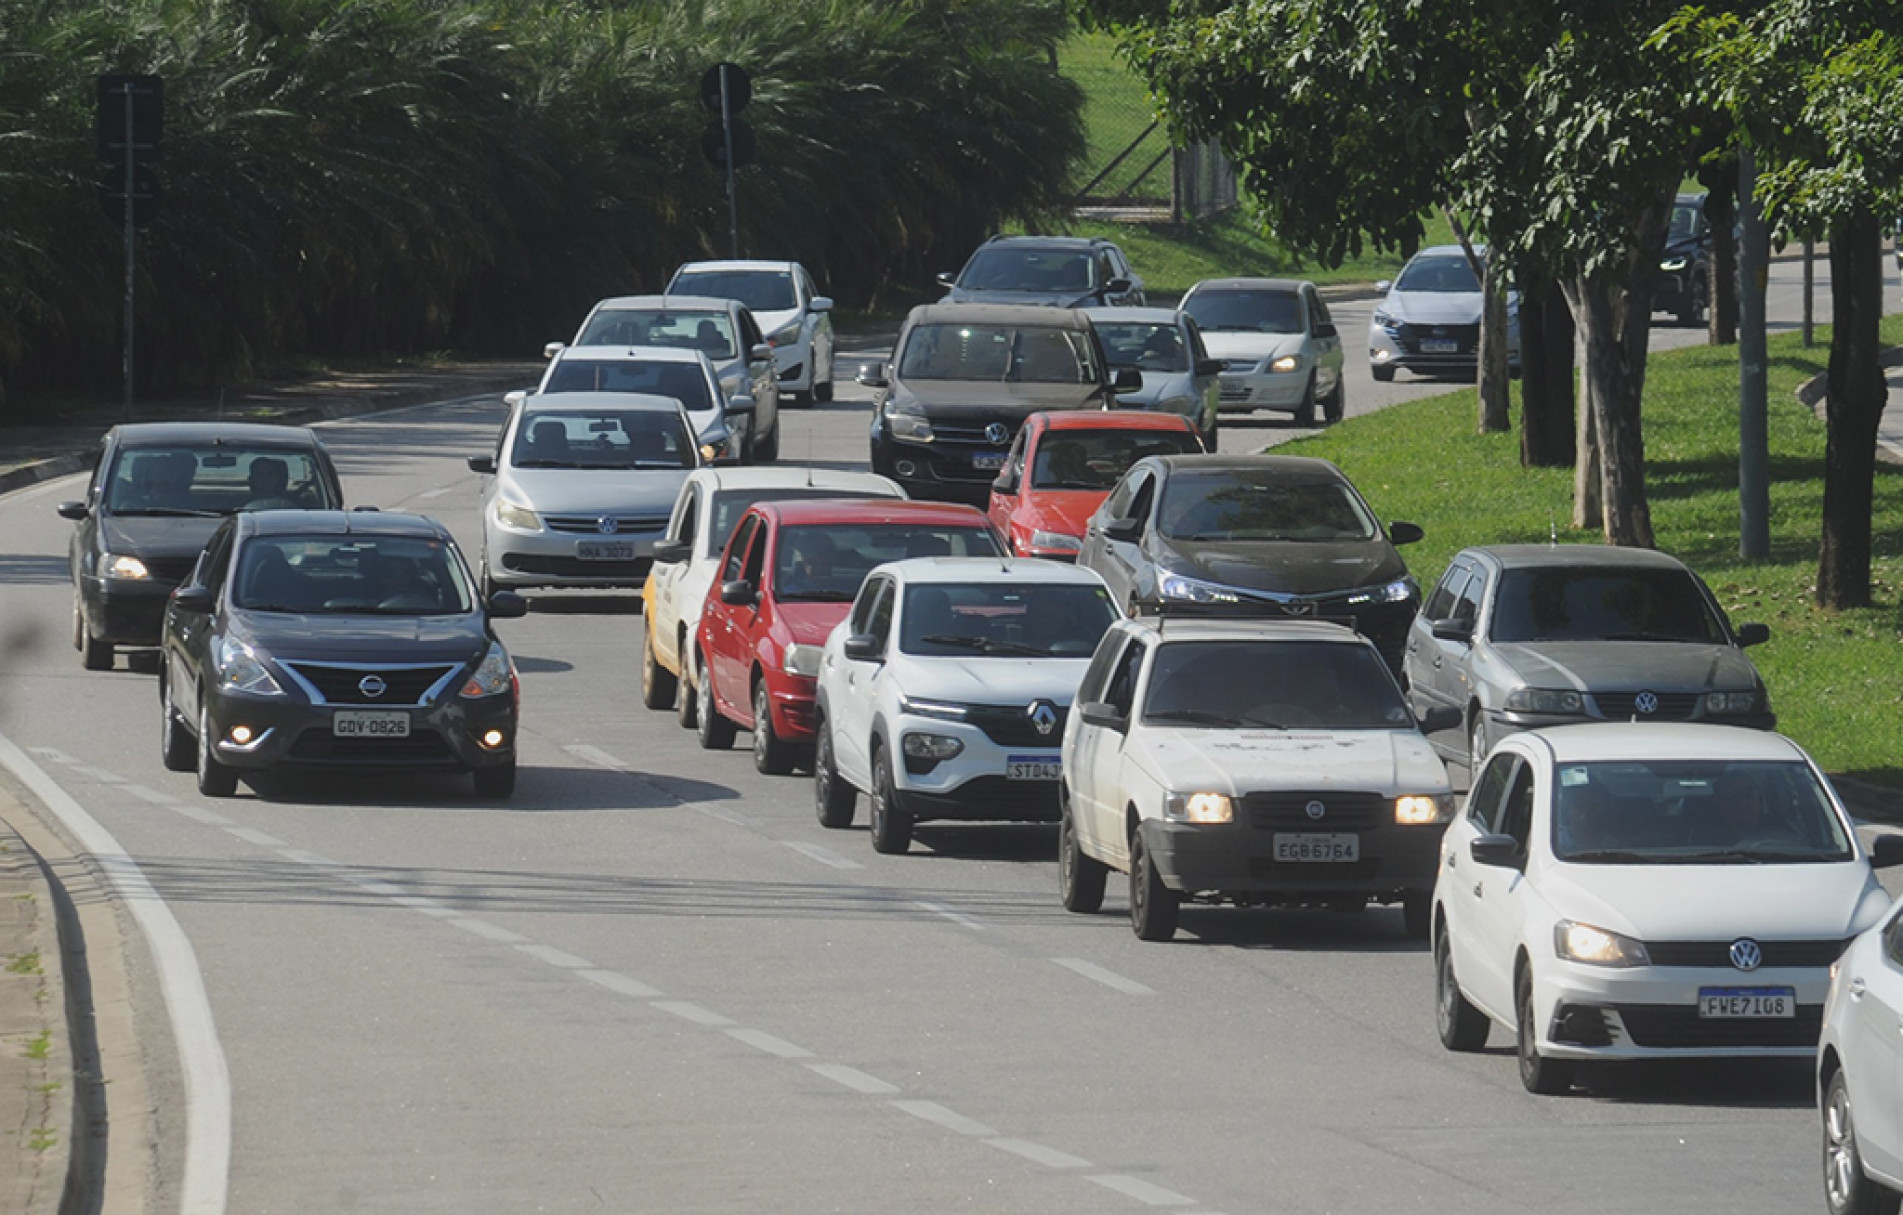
1064, 465
789, 573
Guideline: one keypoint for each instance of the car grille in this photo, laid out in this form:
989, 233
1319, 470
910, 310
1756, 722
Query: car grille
572, 567
1011, 726
1621, 706
1717, 954
1343, 811
959, 468
1679, 1025
1466, 337
403, 685
591, 524
421, 747
974, 432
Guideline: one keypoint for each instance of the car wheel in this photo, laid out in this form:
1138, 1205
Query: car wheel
1337, 403
772, 755
833, 798
497, 783
891, 826
1462, 1026
1382, 372
658, 684
94, 654
1547, 1077
823, 393
175, 741
1417, 914
1154, 907
1305, 412
1848, 1190
715, 732
1080, 877
686, 694
214, 778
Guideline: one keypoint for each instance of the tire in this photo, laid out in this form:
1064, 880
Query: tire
891, 826
1337, 402
214, 778
1080, 877
1462, 1026
94, 654
1305, 412
1546, 1077
1154, 907
1417, 914
495, 784
658, 684
1383, 373
772, 755
686, 694
833, 799
177, 750
715, 732
1848, 1190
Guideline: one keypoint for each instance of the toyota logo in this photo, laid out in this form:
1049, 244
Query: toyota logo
1745, 954
1299, 607
372, 685
997, 434
1646, 702
1043, 715
1315, 810
607, 525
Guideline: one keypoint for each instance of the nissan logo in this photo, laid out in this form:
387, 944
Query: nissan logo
1315, 810
1745, 954
1043, 715
1646, 702
607, 525
997, 434
372, 686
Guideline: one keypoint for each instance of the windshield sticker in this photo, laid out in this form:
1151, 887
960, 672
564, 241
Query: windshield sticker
1568, 777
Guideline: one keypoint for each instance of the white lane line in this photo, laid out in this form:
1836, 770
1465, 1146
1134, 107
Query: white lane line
951, 1120
55, 754
1141, 1190
687, 1010
825, 856
956, 917
1037, 1153
99, 774
199, 814
427, 907
556, 957
1109, 978
733, 817
251, 836
308, 858
203, 1187
760, 1040
151, 795
596, 756
484, 928
619, 984
853, 1078
438, 492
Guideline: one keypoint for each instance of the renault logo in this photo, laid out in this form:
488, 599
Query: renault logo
607, 525
1745, 954
372, 686
1646, 702
1315, 810
1043, 715
997, 434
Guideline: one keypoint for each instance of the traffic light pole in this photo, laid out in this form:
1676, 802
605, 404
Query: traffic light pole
733, 201
131, 229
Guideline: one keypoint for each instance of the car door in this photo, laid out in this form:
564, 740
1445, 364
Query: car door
1873, 1055
760, 372
858, 706
1324, 341
1004, 505
1106, 760
734, 669
1207, 388
821, 351
188, 633
1465, 883
1501, 892
717, 620
1425, 661
683, 527
1121, 562
1450, 658
1085, 740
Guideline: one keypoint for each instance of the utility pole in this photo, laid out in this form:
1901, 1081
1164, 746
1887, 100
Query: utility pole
130, 122
131, 230
725, 89
1754, 454
1810, 279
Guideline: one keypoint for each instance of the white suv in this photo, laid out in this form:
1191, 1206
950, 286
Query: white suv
711, 502
943, 695
795, 317
1250, 761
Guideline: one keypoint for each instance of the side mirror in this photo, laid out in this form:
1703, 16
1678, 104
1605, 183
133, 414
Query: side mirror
862, 647
1327, 330
761, 353
1208, 367
1454, 630
1438, 718
741, 404
1125, 530
507, 605
1404, 533
1097, 713
872, 375
1886, 852
72, 510
512, 399
739, 592
946, 278
1382, 284
1117, 286
1128, 379
667, 552
482, 464
820, 303
193, 599
553, 348
1499, 851
1006, 485
1748, 634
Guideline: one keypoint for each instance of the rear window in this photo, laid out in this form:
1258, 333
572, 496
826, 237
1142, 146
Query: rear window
826, 562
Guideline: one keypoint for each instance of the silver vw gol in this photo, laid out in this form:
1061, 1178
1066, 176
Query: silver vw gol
1519, 636
582, 484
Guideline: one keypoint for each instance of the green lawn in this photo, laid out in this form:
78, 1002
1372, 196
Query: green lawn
1117, 109
1836, 678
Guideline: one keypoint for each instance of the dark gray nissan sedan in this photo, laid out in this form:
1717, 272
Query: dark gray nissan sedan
336, 639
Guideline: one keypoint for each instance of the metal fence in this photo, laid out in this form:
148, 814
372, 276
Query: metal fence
1132, 171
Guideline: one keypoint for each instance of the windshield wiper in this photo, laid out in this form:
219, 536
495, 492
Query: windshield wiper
1195, 717
985, 644
963, 640
1644, 637
1616, 856
1755, 856
1263, 723
545, 464
1015, 647
170, 512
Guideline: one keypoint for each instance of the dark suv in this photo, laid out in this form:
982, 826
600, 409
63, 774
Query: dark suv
1055, 271
1684, 281
963, 378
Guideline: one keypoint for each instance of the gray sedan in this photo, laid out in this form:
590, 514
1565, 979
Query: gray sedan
1520, 636
1179, 377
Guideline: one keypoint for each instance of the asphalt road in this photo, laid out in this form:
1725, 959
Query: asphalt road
652, 982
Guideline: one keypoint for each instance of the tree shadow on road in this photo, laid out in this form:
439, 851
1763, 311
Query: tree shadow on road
539, 790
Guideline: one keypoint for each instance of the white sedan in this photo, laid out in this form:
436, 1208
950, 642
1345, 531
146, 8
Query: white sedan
795, 317
1646, 891
1859, 1065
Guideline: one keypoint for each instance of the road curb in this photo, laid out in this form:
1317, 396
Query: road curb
23, 475
1811, 395
37, 1095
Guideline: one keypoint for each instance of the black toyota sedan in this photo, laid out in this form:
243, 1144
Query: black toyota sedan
1287, 533
328, 639
158, 491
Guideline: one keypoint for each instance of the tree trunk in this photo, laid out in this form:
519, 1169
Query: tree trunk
1852, 410
1721, 210
1546, 374
1496, 377
1588, 511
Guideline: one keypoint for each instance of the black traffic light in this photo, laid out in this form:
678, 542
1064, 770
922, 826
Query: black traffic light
739, 91
129, 123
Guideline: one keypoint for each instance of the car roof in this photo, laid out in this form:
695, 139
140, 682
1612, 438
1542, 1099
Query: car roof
666, 303
1249, 284
1145, 316
1111, 419
1309, 467
250, 434
1049, 242
964, 571
789, 512
1595, 556
741, 264
1031, 315
1223, 627
1447, 251
792, 477
1615, 741
651, 354
605, 402
338, 523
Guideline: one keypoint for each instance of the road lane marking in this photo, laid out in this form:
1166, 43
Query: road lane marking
55, 754
734, 817
689, 1011
956, 917
199, 814
151, 795
556, 957
619, 984
1141, 1190
761, 1040
853, 1078
484, 928
1109, 978
825, 856
308, 858
596, 756
951, 1120
438, 492
252, 836
1037, 1153
98, 774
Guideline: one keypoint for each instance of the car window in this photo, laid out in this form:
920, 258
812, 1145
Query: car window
1444, 272
686, 516
215, 564
1033, 354
685, 382
737, 549
351, 574
879, 623
1096, 459
750, 329
760, 290
1467, 602
1261, 504
1318, 313
755, 563
1246, 310
1687, 812
1273, 685
827, 562
868, 599
1097, 674
1197, 349
1014, 463
1144, 492
1121, 692
1440, 604
1516, 808
1064, 620
1893, 940
213, 480
1145, 345
1483, 802
1559, 604
602, 439
1117, 505
710, 332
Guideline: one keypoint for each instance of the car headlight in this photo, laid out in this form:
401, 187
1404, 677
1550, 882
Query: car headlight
121, 565
241, 668
1190, 590
516, 517
1545, 700
1288, 362
1422, 808
1397, 591
1675, 264
1057, 541
944, 710
1199, 808
801, 660
907, 420
932, 746
1384, 318
1578, 942
1731, 702
789, 332
493, 676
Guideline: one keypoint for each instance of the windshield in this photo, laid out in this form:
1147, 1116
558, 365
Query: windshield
1603, 605
1246, 311
730, 505
685, 382
1697, 812
1012, 619
1146, 346
352, 575
1248, 504
999, 353
1442, 272
1096, 459
602, 439
1046, 271
711, 333
826, 562
214, 480
1687, 220
1232, 685
760, 290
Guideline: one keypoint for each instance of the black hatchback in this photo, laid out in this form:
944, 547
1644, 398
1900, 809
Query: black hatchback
326, 639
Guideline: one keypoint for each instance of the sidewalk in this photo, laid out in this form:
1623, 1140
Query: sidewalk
36, 1053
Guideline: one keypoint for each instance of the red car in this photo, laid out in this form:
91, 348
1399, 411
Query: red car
787, 576
1064, 465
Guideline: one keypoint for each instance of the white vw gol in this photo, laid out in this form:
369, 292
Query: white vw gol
1646, 891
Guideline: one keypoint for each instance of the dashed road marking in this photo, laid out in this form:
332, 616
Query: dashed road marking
596, 756
1143, 1191
733, 817
956, 917
687, 1010
1109, 978
1037, 1153
853, 1078
251, 835
151, 795
198, 814
556, 957
619, 984
951, 1120
438, 492
484, 928
825, 856
760, 1040
98, 774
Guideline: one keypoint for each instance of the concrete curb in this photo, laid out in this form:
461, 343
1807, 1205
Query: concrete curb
37, 1095
1811, 393
40, 470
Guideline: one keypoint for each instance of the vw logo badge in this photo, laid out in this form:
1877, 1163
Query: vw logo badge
1043, 715
997, 434
1315, 810
1745, 954
607, 525
372, 685
1299, 607
1646, 702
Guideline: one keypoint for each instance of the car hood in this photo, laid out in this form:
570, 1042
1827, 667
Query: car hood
771, 321
1256, 346
142, 536
395, 639
1287, 567
1718, 902
1685, 246
1003, 679
1058, 510
1046, 299
570, 491
1158, 386
1657, 666
810, 623
989, 398
1237, 762
1433, 307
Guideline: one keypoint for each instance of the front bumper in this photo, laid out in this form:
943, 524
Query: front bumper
975, 784
550, 558
126, 611
944, 470
1501, 723
290, 732
1258, 389
791, 700
1407, 345
1235, 862
1651, 1012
